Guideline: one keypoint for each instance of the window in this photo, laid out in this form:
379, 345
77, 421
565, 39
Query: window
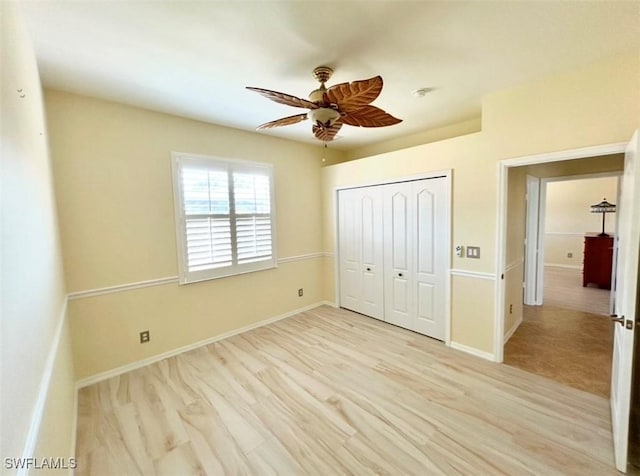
225, 221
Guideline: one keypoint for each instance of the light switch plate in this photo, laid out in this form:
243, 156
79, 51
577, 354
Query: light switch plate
473, 252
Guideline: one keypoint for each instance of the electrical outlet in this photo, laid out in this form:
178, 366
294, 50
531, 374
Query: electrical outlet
300, 292
569, 254
145, 337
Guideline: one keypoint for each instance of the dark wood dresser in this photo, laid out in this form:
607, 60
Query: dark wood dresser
598, 255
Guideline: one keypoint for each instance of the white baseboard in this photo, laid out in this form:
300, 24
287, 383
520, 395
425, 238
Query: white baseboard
43, 391
513, 265
473, 351
85, 382
565, 233
514, 328
566, 266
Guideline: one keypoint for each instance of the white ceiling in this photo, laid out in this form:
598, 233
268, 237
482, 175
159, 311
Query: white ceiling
193, 59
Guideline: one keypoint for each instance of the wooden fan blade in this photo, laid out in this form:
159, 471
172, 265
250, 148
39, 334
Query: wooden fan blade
283, 98
369, 116
354, 95
285, 121
326, 134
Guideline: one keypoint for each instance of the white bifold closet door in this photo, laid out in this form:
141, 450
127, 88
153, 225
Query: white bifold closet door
415, 255
393, 246
360, 231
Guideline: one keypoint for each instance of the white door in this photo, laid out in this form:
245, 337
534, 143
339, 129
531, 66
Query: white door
416, 250
614, 261
399, 234
628, 243
531, 270
360, 248
432, 249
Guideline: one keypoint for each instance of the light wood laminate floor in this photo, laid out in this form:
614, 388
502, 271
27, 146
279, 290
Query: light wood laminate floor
329, 392
563, 288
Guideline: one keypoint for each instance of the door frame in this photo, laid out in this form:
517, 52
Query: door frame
501, 225
539, 238
447, 174
532, 241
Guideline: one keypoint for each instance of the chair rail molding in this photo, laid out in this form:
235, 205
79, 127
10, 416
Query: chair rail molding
169, 280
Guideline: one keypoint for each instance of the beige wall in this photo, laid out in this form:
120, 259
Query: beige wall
598, 104
112, 169
33, 292
568, 217
105, 328
424, 137
514, 272
516, 215
613, 163
463, 154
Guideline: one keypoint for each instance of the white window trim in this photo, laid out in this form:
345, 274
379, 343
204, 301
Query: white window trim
184, 275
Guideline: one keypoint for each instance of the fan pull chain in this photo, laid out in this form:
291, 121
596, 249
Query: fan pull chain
324, 150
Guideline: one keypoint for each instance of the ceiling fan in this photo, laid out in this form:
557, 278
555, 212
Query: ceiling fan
329, 109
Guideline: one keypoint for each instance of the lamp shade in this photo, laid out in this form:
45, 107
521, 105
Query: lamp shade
603, 207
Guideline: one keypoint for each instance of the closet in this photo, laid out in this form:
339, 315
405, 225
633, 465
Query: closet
393, 246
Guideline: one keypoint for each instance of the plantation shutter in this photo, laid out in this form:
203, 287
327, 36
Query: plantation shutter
226, 213
252, 199
207, 219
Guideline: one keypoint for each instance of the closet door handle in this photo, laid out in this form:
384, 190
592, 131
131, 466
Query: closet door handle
368, 269
399, 275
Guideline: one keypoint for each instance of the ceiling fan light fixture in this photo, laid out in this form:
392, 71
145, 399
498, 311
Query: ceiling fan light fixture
324, 116
329, 109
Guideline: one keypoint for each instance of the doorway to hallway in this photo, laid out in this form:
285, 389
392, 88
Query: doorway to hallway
561, 339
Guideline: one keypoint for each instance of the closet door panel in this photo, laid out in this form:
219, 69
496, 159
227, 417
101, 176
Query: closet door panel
368, 229
432, 247
426, 311
425, 231
371, 268
360, 249
399, 232
398, 226
349, 246
400, 296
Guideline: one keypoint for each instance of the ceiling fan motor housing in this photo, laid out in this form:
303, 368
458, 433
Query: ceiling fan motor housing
317, 95
322, 73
